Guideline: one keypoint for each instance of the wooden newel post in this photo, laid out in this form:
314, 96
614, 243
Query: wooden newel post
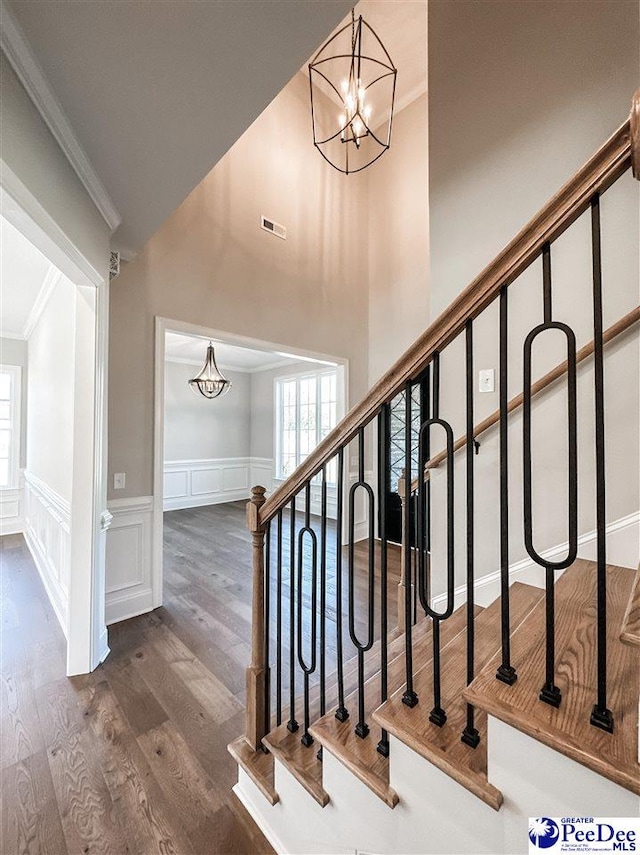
634, 125
256, 674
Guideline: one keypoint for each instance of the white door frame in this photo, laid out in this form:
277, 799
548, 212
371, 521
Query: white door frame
164, 325
86, 631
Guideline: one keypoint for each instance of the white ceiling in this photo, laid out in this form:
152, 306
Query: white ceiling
193, 349
157, 92
25, 274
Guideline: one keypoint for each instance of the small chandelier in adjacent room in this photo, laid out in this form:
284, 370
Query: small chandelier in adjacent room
353, 84
210, 382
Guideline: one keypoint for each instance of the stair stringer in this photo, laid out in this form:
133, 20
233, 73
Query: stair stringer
435, 815
538, 781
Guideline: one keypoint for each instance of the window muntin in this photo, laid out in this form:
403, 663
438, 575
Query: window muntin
9, 426
307, 412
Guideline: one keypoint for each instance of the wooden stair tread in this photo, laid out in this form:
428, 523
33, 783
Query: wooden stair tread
359, 755
568, 729
631, 621
258, 766
300, 760
442, 745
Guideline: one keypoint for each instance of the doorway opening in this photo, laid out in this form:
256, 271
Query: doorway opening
209, 453
53, 334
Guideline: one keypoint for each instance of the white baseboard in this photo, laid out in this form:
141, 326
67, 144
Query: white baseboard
128, 563
623, 537
47, 534
195, 483
103, 646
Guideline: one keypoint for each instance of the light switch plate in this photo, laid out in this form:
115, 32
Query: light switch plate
119, 480
487, 380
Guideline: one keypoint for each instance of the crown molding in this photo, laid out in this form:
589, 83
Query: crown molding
225, 366
50, 281
19, 53
20, 207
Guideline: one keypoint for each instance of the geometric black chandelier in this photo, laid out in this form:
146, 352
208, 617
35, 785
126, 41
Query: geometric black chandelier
210, 382
353, 84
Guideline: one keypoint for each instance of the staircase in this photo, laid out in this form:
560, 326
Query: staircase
442, 725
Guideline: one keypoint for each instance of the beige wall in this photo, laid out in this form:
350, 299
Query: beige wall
520, 95
398, 240
15, 352
196, 428
211, 264
51, 391
30, 151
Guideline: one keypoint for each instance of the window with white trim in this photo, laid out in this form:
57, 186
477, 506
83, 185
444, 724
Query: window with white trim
10, 380
307, 410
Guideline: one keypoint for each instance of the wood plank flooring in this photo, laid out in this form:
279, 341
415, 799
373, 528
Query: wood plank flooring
132, 758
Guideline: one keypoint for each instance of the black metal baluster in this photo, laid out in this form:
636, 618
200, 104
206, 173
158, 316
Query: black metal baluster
470, 735
292, 724
437, 715
424, 514
410, 698
342, 714
308, 667
506, 672
279, 624
600, 716
267, 628
323, 596
361, 728
550, 693
383, 469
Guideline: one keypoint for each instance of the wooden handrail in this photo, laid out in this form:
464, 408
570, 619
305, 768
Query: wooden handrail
600, 171
634, 130
516, 402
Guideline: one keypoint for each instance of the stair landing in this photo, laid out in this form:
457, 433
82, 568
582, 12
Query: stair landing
567, 729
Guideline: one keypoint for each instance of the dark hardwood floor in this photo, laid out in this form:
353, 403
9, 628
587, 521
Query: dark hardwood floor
133, 758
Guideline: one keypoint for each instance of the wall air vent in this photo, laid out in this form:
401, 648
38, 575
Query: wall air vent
273, 227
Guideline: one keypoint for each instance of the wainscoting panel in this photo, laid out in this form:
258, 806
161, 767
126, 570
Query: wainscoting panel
261, 472
47, 531
204, 482
128, 570
192, 483
11, 509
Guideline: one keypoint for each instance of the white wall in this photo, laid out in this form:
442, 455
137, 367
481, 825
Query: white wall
520, 95
196, 428
398, 240
51, 392
49, 464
